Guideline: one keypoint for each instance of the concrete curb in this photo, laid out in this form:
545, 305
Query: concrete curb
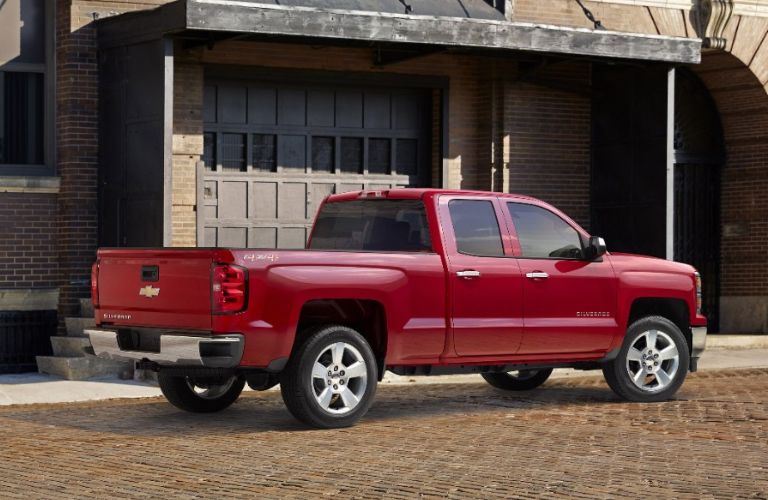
723, 341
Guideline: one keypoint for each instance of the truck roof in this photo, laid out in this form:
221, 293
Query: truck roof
417, 193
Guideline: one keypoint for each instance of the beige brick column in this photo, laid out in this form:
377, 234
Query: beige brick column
187, 150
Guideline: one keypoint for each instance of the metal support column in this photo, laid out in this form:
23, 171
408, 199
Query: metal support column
670, 219
167, 45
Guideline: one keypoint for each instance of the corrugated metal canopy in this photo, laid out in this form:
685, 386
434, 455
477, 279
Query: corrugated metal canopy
209, 18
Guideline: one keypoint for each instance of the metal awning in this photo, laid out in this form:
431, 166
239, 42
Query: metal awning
302, 20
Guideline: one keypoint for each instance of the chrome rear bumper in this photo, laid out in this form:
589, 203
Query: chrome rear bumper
175, 350
698, 340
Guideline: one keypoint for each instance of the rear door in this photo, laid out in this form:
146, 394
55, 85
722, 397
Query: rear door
570, 303
485, 284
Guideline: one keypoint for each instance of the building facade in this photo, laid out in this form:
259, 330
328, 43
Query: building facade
217, 122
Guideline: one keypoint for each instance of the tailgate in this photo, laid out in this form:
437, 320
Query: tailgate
155, 288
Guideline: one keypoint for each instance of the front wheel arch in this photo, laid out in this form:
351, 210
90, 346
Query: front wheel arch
673, 309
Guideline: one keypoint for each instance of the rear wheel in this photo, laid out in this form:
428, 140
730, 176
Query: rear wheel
330, 380
200, 395
652, 363
522, 380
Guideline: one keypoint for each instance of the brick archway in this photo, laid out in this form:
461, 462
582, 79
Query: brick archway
742, 102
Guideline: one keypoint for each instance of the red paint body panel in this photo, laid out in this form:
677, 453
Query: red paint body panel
432, 316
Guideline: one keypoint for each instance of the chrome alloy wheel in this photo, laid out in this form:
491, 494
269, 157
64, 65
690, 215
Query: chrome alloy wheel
339, 377
652, 361
206, 390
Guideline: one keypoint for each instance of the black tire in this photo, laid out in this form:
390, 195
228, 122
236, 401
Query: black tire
523, 380
262, 381
619, 371
180, 392
303, 392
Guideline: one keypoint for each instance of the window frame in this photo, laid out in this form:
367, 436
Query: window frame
48, 70
448, 236
518, 250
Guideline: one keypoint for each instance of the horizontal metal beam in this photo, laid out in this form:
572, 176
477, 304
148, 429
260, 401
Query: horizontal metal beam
249, 17
235, 16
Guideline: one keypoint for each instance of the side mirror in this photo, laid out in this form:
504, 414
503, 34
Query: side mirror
596, 248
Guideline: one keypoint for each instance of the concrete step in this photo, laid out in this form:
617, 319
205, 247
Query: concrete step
71, 347
75, 326
83, 368
86, 308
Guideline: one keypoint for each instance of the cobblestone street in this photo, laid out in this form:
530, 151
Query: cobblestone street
570, 438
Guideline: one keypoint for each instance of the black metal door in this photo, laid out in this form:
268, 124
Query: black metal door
699, 157
697, 229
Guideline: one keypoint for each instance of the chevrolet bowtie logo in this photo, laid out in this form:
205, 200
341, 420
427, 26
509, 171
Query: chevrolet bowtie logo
149, 291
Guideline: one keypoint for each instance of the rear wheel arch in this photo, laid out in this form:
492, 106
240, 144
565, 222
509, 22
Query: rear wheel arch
366, 316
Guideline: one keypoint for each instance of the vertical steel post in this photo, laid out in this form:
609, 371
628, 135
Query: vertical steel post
670, 218
167, 47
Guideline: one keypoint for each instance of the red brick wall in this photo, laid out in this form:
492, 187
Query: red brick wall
28, 256
77, 153
547, 131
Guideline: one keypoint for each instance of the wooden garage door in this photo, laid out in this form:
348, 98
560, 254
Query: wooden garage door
274, 151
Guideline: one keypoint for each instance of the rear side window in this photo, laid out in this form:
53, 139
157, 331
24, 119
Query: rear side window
476, 228
372, 225
543, 234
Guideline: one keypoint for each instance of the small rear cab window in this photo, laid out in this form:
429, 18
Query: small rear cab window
373, 225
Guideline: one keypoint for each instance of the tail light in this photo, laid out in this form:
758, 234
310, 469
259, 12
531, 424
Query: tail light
229, 288
95, 284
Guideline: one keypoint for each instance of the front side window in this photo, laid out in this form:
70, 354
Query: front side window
372, 225
23, 75
476, 228
542, 234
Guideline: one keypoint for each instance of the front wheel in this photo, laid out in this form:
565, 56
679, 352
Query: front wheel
330, 380
523, 380
652, 363
200, 395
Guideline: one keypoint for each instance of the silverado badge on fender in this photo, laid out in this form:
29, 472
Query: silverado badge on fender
149, 291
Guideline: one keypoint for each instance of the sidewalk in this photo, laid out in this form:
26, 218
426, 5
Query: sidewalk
32, 388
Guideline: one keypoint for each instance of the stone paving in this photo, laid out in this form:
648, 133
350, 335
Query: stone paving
571, 438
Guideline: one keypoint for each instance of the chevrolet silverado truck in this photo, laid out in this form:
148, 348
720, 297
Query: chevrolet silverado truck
414, 281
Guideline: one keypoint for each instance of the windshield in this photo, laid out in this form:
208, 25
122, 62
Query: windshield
372, 225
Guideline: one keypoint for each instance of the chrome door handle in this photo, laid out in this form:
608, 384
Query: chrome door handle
469, 273
537, 275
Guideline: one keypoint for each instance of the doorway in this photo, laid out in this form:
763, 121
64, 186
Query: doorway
629, 167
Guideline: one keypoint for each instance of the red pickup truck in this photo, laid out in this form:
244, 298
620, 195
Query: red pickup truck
415, 281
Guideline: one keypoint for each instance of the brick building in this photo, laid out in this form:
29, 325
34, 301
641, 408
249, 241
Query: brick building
218, 122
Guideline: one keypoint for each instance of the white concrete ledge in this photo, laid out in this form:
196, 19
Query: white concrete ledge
29, 184
35, 299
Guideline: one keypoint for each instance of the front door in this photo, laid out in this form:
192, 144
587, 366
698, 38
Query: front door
570, 303
485, 284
